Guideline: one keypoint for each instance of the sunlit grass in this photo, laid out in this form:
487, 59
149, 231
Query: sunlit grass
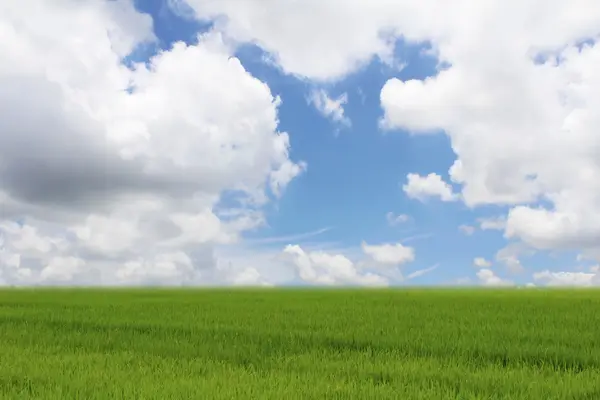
300, 344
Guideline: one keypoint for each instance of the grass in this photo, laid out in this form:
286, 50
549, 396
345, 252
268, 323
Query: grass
299, 344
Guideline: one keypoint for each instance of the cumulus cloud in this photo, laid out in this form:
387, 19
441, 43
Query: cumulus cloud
511, 109
485, 224
487, 277
117, 178
432, 185
492, 223
341, 39
143, 154
511, 255
332, 108
322, 268
389, 254
481, 262
515, 93
380, 265
566, 278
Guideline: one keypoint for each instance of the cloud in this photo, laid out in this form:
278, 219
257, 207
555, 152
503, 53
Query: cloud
341, 40
416, 237
380, 265
389, 254
289, 238
250, 277
118, 177
487, 277
393, 219
485, 224
510, 256
566, 278
481, 262
421, 187
494, 223
514, 94
126, 166
421, 272
329, 107
520, 115
321, 268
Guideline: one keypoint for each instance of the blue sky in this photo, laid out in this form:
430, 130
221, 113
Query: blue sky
465, 139
355, 174
355, 177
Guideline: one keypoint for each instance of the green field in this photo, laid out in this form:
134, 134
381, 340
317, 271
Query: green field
300, 344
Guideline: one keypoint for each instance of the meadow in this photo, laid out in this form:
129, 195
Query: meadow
299, 344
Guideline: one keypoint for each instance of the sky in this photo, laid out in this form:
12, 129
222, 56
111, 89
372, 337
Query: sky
287, 142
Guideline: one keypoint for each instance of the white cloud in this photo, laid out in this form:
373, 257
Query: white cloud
250, 277
329, 107
380, 264
416, 237
517, 99
493, 223
290, 238
393, 219
512, 262
389, 254
285, 173
516, 94
62, 269
481, 262
432, 185
116, 179
566, 278
487, 277
421, 272
523, 130
511, 254
321, 268
341, 39
105, 234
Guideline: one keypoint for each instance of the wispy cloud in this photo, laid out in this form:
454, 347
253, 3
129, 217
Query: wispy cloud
421, 272
332, 108
481, 262
289, 238
416, 237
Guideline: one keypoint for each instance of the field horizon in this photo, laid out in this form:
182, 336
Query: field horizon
299, 342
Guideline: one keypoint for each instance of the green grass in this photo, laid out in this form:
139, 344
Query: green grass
300, 344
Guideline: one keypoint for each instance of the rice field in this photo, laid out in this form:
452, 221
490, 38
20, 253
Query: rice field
299, 344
